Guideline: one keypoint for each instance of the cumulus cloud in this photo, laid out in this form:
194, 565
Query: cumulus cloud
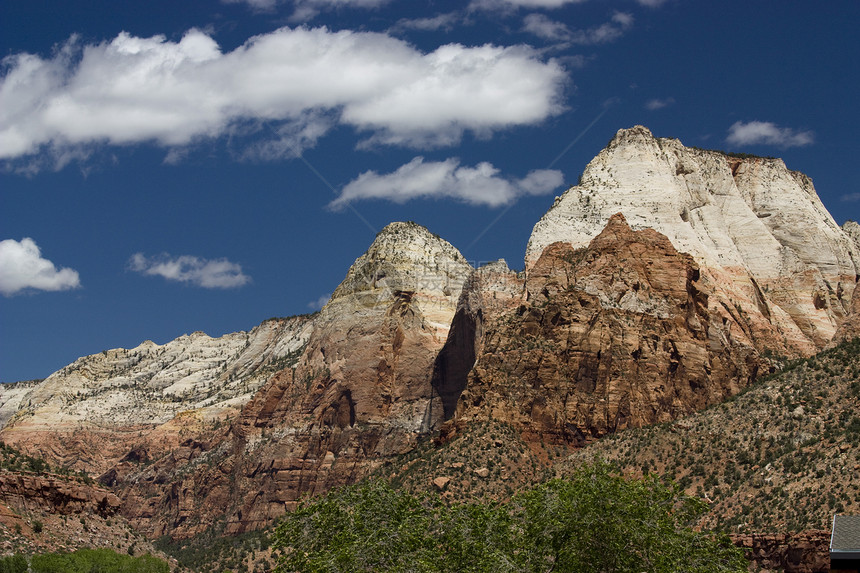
753, 132
131, 90
544, 27
655, 104
22, 267
479, 185
215, 273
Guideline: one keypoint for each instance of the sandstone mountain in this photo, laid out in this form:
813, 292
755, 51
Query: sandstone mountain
666, 282
615, 335
758, 230
360, 393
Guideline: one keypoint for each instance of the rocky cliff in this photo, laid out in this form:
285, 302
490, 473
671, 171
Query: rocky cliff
758, 230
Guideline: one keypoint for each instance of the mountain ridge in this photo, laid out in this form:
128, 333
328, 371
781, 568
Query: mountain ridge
622, 330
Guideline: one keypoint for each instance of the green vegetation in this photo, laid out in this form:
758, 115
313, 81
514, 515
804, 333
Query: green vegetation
596, 520
780, 456
83, 561
13, 564
213, 551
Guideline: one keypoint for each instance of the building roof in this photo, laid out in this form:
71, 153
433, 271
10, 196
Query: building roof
845, 538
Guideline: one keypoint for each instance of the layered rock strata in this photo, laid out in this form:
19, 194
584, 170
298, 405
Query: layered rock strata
758, 230
55, 494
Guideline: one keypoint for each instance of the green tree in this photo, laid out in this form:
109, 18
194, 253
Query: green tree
13, 564
597, 520
96, 561
600, 521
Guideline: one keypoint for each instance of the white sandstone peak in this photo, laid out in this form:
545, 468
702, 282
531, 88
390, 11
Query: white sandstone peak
749, 218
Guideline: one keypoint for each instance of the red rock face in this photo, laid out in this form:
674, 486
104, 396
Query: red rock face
850, 327
803, 552
55, 494
611, 336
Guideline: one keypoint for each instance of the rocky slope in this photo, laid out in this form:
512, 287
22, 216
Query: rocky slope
91, 413
45, 511
749, 222
783, 456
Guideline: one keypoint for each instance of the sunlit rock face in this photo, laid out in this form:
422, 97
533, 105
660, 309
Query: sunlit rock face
758, 230
614, 335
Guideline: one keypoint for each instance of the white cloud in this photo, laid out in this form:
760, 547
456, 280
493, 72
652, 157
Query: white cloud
508, 4
753, 132
440, 22
304, 10
479, 185
851, 197
215, 273
655, 104
133, 90
320, 302
22, 267
544, 27
651, 3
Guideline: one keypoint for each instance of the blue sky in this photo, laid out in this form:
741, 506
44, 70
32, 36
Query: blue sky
167, 167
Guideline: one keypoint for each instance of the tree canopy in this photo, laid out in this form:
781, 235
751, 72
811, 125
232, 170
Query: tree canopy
594, 521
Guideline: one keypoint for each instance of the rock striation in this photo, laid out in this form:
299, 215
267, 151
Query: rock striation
748, 221
55, 494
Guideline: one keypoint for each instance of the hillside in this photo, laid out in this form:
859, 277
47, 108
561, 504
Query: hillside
782, 456
45, 509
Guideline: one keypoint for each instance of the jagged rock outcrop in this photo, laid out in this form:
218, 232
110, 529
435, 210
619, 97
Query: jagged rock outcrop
55, 494
802, 552
491, 290
361, 393
615, 335
748, 221
88, 415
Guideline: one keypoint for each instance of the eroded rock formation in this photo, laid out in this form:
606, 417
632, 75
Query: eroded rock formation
88, 415
615, 335
55, 494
